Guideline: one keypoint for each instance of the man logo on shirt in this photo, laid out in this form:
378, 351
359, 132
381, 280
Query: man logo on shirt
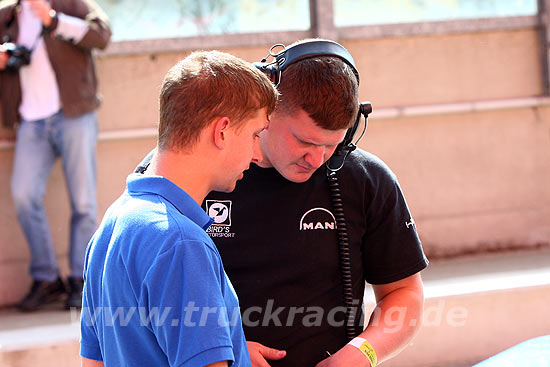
317, 219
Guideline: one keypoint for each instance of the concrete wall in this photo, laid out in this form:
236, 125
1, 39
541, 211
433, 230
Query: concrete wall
475, 180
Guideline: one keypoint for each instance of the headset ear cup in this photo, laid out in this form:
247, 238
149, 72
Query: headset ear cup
272, 74
268, 70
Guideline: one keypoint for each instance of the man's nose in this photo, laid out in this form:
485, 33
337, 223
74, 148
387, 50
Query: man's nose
257, 152
315, 157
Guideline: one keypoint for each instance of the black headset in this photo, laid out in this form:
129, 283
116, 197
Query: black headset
310, 49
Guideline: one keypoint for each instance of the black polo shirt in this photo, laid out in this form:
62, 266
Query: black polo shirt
279, 246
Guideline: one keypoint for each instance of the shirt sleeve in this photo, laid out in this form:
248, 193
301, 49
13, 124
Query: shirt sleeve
89, 344
71, 28
393, 250
184, 286
84, 24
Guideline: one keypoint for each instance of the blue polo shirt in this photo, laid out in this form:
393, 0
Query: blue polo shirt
156, 293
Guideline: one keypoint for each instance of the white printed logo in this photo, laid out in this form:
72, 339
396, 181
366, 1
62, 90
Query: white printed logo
317, 219
220, 211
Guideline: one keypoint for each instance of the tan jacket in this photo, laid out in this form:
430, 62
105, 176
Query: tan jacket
73, 64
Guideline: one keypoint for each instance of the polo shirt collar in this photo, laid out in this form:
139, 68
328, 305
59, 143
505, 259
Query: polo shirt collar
138, 184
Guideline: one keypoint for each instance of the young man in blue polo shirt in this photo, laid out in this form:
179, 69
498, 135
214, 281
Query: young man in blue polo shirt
156, 293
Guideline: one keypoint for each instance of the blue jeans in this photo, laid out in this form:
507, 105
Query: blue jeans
38, 144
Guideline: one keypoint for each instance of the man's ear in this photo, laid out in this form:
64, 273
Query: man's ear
221, 126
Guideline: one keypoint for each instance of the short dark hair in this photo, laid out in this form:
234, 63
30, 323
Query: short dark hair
325, 87
206, 85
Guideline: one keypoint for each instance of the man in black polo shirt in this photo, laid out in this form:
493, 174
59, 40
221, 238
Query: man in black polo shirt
277, 233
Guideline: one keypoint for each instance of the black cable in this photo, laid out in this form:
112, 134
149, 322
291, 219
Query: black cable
344, 252
333, 166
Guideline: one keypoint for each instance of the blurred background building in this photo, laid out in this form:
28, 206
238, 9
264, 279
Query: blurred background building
461, 97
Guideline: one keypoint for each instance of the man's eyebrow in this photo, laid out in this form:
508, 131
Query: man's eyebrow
303, 141
311, 143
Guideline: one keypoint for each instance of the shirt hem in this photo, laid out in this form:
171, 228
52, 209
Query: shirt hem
90, 352
209, 356
413, 269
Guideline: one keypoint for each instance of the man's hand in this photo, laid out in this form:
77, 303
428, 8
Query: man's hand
345, 357
259, 354
41, 10
3, 58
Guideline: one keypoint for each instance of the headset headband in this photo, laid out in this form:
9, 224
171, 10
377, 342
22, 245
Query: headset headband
300, 51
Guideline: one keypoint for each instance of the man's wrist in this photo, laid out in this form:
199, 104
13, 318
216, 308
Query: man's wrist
53, 21
366, 348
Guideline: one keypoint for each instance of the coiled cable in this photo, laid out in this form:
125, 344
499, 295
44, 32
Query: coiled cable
344, 252
333, 166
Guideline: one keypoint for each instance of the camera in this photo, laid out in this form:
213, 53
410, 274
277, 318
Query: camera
18, 56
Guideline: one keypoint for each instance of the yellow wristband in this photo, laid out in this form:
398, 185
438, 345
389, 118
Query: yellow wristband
364, 346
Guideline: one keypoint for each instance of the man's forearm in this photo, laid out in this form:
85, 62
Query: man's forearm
391, 327
395, 320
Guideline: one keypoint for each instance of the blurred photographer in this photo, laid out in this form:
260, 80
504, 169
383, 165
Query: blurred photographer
48, 90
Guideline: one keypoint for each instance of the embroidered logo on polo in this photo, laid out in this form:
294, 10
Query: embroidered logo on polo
318, 219
220, 211
411, 223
